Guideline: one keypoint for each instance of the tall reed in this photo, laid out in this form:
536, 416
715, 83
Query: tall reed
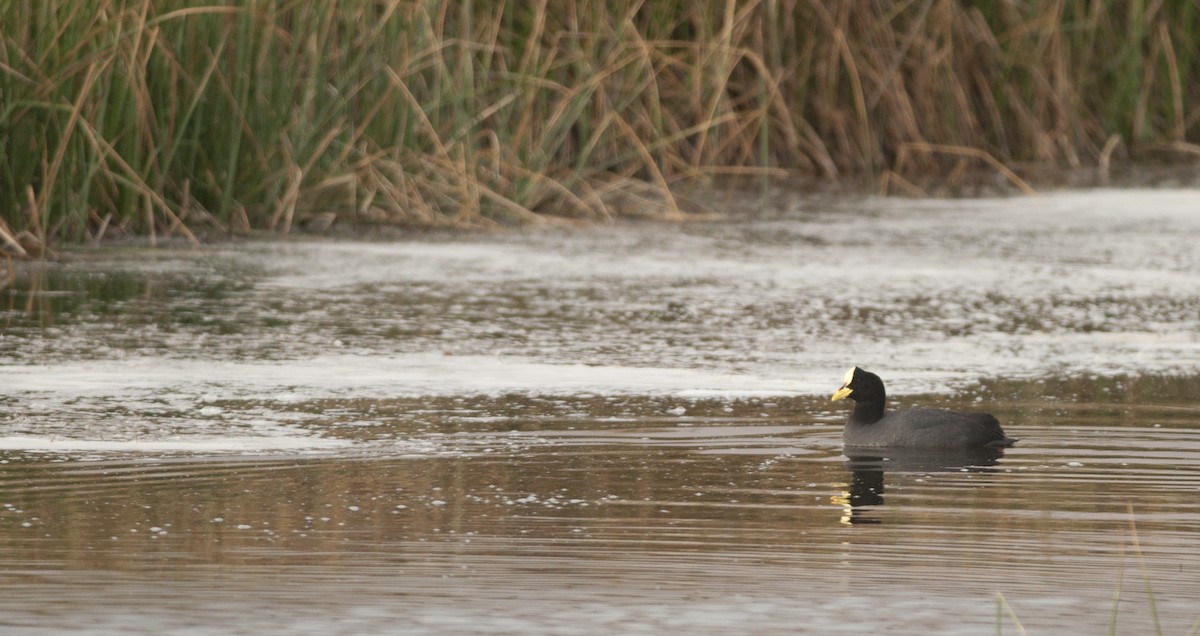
172, 117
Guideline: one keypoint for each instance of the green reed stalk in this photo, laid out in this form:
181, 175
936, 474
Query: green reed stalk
1004, 609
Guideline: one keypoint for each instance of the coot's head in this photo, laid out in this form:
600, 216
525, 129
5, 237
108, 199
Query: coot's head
860, 386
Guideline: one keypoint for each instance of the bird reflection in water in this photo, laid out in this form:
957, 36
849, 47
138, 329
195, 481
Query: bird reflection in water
867, 467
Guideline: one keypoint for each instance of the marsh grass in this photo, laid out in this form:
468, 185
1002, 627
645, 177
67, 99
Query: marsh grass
176, 118
1004, 610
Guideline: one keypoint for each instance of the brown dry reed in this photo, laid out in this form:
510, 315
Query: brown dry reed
183, 118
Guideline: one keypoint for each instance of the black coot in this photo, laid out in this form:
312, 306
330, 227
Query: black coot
868, 426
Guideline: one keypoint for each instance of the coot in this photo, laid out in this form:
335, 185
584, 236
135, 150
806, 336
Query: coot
869, 426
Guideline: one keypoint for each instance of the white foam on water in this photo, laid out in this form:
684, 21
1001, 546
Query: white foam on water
198, 444
376, 376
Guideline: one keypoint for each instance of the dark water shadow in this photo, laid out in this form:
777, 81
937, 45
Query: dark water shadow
868, 467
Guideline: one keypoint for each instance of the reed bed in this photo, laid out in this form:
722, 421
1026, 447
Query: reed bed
183, 118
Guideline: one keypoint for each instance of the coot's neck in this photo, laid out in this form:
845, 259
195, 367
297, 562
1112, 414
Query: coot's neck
869, 410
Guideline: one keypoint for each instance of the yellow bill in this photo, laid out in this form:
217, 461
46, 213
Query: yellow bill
845, 391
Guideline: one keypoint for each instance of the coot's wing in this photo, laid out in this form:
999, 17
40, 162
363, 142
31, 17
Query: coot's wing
939, 427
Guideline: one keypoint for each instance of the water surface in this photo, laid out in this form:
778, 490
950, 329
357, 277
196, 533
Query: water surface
623, 429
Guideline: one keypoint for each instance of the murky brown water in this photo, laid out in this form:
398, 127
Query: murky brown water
459, 436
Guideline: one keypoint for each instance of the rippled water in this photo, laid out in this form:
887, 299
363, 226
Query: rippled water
621, 430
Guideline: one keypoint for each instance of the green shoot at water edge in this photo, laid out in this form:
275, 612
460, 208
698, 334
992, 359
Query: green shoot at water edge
1004, 609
